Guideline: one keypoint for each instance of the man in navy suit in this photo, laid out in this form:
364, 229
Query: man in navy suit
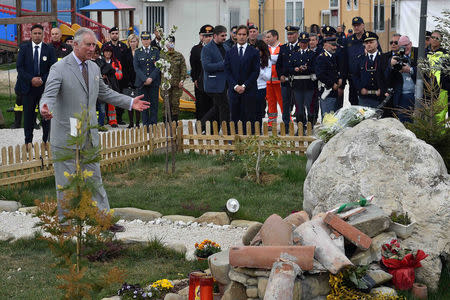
33, 65
214, 78
242, 65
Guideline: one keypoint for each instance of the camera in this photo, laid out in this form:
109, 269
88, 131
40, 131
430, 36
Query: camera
401, 58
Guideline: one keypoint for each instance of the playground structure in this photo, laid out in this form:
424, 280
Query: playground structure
15, 24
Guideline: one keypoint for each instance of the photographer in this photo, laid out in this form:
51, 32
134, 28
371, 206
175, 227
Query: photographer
402, 72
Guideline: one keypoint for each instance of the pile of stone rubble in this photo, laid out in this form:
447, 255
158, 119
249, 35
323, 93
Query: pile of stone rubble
292, 258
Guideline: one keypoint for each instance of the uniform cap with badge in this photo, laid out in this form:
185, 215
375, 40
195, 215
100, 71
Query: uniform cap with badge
357, 21
331, 40
292, 29
370, 36
304, 37
206, 30
328, 30
145, 35
252, 26
113, 29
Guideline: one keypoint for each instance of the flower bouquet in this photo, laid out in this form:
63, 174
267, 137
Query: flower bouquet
345, 117
156, 290
401, 263
206, 248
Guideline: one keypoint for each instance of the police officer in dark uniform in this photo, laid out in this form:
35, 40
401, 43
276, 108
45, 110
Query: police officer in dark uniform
327, 72
303, 77
369, 77
341, 57
119, 50
355, 49
284, 72
148, 77
203, 102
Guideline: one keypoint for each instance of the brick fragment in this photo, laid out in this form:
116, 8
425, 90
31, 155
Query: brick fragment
354, 235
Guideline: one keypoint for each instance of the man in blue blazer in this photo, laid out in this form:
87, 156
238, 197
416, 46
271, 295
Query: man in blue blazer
33, 65
214, 78
242, 65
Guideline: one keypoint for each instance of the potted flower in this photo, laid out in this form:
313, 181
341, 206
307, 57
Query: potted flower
205, 249
401, 263
401, 224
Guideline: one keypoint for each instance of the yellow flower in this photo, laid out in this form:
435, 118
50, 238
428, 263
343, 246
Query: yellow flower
111, 212
329, 119
66, 174
59, 187
94, 203
87, 173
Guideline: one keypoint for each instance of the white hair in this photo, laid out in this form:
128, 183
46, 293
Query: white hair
78, 36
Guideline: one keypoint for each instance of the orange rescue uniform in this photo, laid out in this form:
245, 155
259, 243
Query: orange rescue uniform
273, 94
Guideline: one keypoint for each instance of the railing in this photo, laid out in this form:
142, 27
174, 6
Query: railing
99, 29
26, 163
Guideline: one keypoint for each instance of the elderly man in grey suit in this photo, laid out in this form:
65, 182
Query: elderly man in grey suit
73, 85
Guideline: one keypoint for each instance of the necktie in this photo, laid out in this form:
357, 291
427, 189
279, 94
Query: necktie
371, 57
85, 74
147, 50
290, 47
36, 60
241, 51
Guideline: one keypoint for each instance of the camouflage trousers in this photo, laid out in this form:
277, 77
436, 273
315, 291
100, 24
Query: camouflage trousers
174, 94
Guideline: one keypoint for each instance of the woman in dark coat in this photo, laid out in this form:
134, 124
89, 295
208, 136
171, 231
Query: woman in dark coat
129, 76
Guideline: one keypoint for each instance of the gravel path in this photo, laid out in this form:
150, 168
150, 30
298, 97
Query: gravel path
21, 225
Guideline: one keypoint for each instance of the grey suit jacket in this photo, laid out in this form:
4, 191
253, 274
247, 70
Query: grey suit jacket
66, 94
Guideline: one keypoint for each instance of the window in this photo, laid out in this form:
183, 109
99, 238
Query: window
349, 4
394, 14
234, 17
155, 15
325, 17
334, 3
294, 13
355, 4
378, 15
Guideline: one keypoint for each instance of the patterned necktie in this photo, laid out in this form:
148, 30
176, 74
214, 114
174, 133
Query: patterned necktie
84, 72
241, 51
36, 60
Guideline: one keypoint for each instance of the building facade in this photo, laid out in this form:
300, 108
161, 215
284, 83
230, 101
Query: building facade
380, 16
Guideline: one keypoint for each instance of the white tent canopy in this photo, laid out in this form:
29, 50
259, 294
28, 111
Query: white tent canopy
409, 15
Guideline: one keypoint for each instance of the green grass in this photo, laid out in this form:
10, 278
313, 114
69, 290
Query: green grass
10, 66
5, 104
201, 183
37, 278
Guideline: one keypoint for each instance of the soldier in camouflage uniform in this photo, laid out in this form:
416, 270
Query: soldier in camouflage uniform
179, 74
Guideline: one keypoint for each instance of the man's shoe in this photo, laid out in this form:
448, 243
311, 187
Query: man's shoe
121, 123
116, 228
37, 126
130, 125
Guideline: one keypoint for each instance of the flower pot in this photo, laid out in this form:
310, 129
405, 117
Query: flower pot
201, 258
402, 231
420, 291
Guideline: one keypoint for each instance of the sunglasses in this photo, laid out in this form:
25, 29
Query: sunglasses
393, 42
436, 38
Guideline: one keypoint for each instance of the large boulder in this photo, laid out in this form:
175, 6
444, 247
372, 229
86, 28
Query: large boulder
383, 158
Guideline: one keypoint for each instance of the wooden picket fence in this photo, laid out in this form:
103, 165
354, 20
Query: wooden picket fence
23, 164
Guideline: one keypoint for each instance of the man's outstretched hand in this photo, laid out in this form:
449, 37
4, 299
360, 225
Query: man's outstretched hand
140, 105
45, 112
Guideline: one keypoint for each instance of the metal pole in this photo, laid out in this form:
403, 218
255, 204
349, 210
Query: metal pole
422, 29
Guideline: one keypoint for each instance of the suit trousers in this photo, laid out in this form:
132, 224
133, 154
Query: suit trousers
30, 101
220, 110
69, 166
303, 99
203, 103
353, 93
328, 105
244, 108
369, 101
287, 93
151, 94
